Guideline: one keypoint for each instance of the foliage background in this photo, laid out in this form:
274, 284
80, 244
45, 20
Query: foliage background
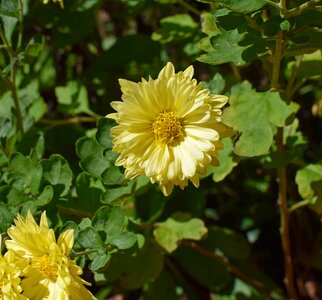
261, 207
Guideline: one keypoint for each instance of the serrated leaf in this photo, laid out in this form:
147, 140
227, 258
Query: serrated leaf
175, 28
170, 232
56, 171
234, 46
256, 115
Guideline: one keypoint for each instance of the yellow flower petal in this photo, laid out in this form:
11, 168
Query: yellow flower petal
168, 128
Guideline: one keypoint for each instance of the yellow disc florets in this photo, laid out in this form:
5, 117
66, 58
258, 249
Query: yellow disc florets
167, 128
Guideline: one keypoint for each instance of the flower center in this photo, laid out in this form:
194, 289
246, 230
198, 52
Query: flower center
167, 128
47, 269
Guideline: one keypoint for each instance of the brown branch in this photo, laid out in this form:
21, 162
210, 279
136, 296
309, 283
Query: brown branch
229, 266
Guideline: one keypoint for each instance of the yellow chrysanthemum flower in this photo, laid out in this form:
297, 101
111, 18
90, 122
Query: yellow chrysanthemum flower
48, 271
61, 2
168, 129
10, 288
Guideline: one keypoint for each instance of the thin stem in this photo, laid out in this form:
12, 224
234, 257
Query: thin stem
294, 74
16, 100
189, 7
6, 44
85, 252
272, 3
74, 120
282, 179
298, 205
20, 34
229, 266
74, 212
299, 9
277, 58
283, 8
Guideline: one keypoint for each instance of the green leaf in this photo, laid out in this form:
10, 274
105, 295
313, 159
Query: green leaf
56, 171
113, 176
24, 175
175, 28
255, 116
35, 46
6, 217
89, 238
94, 159
164, 287
9, 13
125, 241
100, 261
228, 242
295, 142
115, 194
216, 85
103, 136
204, 270
9, 8
46, 196
305, 41
228, 161
236, 47
89, 191
73, 98
309, 181
134, 267
170, 232
242, 6
111, 220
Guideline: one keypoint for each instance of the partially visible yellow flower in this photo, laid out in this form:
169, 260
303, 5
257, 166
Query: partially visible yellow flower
10, 288
61, 2
48, 271
168, 128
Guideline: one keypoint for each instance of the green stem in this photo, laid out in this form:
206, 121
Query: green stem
295, 70
74, 120
189, 7
74, 212
16, 100
85, 252
6, 44
281, 175
20, 34
298, 205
